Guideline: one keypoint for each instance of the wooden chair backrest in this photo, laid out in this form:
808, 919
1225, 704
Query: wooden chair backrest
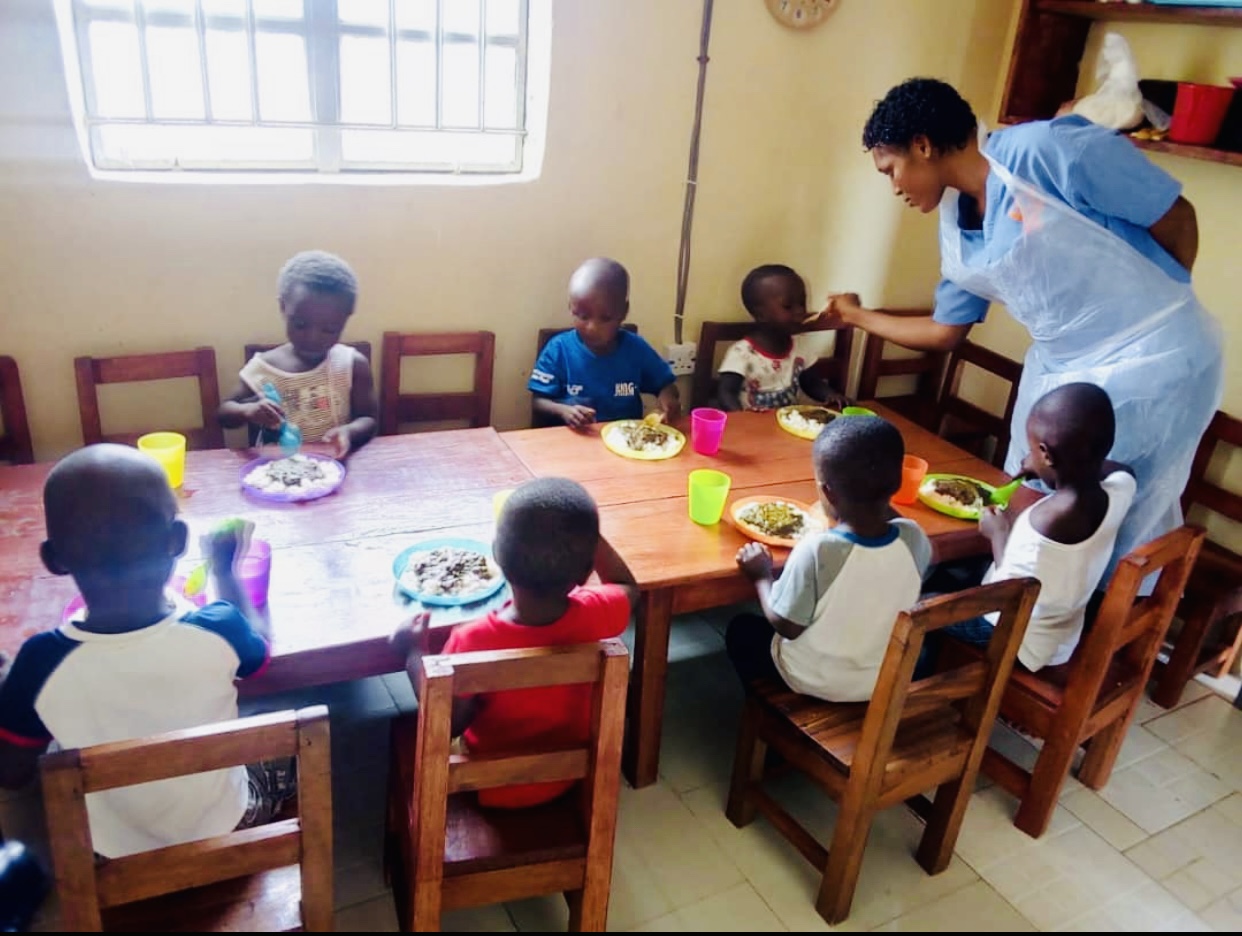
473, 406
15, 444
835, 368
199, 363
952, 406
87, 889
438, 773
1224, 430
928, 368
539, 420
250, 350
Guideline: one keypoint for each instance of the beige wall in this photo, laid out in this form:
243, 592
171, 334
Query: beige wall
93, 267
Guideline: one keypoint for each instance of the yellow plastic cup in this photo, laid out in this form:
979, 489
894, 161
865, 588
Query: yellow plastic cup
709, 489
498, 502
167, 448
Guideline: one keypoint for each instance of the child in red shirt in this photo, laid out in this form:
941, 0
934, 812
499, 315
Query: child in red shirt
547, 544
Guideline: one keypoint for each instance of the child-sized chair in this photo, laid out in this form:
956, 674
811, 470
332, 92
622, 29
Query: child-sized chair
442, 851
473, 406
15, 444
271, 878
199, 363
868, 756
966, 424
1213, 598
1090, 700
926, 368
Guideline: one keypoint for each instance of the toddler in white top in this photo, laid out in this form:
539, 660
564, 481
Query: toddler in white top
773, 366
1066, 538
325, 387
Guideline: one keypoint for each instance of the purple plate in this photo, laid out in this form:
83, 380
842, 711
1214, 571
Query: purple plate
291, 497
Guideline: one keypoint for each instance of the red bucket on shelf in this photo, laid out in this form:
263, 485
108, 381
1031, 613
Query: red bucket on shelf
1198, 113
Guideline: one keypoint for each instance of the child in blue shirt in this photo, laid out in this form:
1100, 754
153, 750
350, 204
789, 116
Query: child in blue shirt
597, 372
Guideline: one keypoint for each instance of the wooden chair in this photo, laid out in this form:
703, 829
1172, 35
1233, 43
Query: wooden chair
273, 878
250, 350
473, 406
966, 424
872, 755
442, 851
1213, 596
1090, 700
15, 444
927, 369
199, 363
835, 368
539, 420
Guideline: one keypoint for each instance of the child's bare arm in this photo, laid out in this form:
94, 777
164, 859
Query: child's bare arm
18, 762
574, 416
245, 407
755, 561
224, 546
415, 639
670, 401
729, 392
612, 570
363, 412
818, 387
995, 524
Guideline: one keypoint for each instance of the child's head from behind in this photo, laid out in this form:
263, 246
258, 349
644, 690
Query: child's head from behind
775, 295
317, 291
111, 521
1070, 431
858, 465
547, 536
599, 300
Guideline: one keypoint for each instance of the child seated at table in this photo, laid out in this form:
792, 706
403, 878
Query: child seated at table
139, 663
597, 371
325, 387
767, 369
547, 543
827, 620
1064, 539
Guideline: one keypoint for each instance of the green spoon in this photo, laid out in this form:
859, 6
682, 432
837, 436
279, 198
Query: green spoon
196, 581
1000, 496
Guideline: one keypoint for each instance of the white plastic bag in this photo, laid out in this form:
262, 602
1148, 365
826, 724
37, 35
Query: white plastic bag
1117, 102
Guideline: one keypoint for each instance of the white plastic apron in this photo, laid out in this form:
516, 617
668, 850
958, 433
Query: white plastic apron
1099, 311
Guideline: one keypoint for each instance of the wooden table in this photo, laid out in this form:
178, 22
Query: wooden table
332, 602
683, 567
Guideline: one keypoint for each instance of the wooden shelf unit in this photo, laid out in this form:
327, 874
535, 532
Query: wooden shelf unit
1048, 49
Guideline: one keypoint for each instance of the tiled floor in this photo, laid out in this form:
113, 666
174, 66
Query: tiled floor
1160, 848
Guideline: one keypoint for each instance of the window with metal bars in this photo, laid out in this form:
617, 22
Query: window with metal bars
328, 86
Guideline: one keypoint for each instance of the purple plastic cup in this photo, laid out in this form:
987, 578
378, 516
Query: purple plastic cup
706, 429
254, 571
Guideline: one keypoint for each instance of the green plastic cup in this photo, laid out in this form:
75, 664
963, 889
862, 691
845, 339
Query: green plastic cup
709, 489
856, 411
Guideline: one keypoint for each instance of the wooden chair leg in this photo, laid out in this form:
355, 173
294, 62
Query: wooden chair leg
1183, 656
944, 823
1102, 751
849, 841
1052, 766
747, 766
588, 909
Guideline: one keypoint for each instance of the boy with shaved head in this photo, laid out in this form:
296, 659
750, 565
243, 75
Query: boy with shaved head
140, 662
596, 372
1066, 538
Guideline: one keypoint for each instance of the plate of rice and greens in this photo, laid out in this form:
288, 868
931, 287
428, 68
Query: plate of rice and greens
776, 521
806, 422
956, 495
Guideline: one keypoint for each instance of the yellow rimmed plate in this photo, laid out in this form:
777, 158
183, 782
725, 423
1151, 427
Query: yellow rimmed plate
613, 436
795, 427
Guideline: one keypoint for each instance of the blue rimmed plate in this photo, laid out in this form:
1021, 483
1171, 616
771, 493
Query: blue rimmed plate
485, 591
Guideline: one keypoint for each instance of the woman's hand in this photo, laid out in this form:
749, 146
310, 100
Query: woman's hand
840, 306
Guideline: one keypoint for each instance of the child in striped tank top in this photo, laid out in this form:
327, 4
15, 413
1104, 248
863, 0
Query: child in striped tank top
325, 387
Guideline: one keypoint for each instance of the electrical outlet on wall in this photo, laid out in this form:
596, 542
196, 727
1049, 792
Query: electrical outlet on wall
680, 357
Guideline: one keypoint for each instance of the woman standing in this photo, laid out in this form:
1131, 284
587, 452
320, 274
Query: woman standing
1089, 245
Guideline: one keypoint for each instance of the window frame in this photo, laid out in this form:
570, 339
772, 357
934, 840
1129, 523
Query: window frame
322, 31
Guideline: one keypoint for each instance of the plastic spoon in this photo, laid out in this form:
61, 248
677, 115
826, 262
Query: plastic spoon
1000, 496
290, 435
196, 581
